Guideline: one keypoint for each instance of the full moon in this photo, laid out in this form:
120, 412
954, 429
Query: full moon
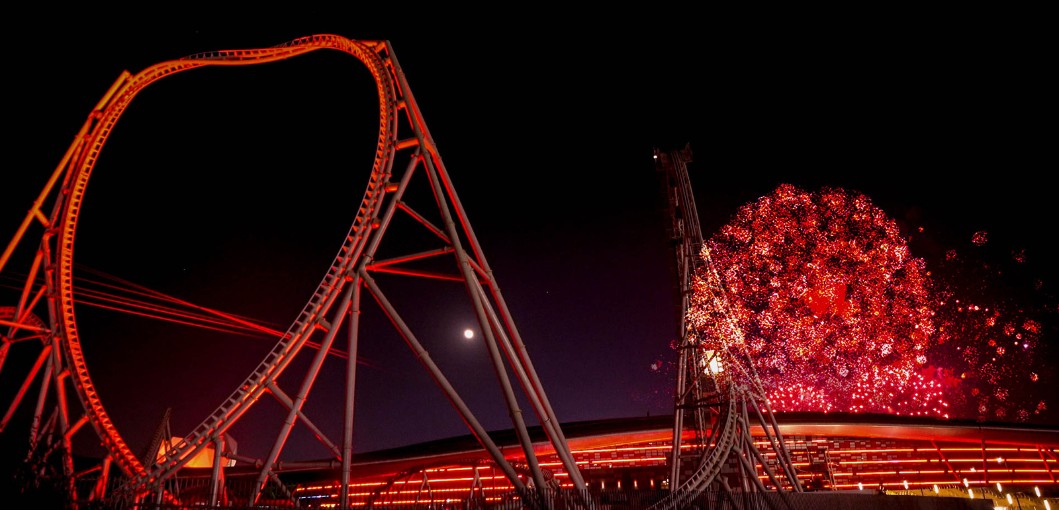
468, 333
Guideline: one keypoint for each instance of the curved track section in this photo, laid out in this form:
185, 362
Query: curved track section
335, 301
738, 389
712, 460
311, 317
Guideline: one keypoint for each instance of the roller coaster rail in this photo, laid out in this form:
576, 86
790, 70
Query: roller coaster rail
717, 389
405, 155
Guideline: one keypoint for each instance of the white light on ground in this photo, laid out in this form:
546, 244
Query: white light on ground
468, 333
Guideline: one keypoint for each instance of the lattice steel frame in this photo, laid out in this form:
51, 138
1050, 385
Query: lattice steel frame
402, 133
716, 406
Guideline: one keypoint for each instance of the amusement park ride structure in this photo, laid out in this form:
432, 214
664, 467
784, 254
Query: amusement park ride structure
44, 313
717, 391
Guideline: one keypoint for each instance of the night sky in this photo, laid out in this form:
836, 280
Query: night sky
232, 187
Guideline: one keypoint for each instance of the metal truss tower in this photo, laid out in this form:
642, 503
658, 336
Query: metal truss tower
718, 394
327, 328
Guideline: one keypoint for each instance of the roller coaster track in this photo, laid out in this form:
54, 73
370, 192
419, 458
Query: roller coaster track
402, 131
717, 383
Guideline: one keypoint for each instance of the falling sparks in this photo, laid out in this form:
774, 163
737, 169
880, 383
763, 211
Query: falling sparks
824, 294
1004, 344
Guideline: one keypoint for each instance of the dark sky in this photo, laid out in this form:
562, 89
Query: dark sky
231, 187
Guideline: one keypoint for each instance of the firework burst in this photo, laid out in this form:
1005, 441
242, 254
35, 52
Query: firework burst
835, 311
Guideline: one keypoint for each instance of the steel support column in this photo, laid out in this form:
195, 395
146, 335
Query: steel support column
351, 383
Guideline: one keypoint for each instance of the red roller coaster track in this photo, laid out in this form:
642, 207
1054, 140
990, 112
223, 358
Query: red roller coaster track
48, 292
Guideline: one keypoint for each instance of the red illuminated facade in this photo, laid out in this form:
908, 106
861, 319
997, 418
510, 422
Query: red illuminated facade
831, 453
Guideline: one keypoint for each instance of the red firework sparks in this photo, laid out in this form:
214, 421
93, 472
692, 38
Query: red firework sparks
834, 309
993, 318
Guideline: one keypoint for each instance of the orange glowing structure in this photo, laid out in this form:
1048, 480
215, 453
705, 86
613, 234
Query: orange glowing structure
405, 157
830, 453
